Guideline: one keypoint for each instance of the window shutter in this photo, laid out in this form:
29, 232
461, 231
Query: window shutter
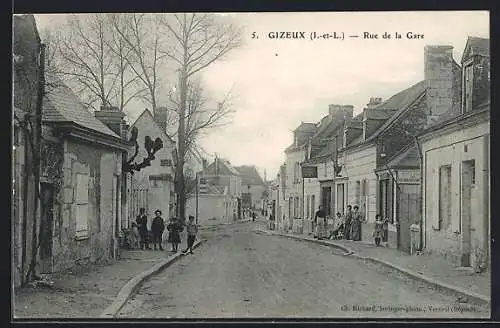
82, 189
81, 201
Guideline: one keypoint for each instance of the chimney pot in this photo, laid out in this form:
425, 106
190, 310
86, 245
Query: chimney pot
374, 101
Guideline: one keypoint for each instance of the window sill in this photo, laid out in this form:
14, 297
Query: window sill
81, 235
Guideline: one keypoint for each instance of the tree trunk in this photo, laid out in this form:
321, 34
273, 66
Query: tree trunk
37, 136
182, 144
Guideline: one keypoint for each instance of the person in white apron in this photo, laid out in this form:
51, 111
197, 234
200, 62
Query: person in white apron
319, 222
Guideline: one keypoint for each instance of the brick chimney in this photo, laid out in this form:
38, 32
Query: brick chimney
340, 112
442, 78
161, 117
112, 117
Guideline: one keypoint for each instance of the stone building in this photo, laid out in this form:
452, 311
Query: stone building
26, 49
153, 186
221, 173
362, 162
455, 170
81, 187
254, 188
296, 154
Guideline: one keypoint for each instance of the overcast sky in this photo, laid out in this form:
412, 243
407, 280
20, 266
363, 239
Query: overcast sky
277, 83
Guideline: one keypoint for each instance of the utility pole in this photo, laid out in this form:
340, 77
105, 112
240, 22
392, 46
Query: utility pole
197, 187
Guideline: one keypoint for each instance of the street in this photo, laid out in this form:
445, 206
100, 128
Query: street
240, 273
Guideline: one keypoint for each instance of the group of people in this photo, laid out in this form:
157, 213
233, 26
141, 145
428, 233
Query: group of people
347, 226
174, 228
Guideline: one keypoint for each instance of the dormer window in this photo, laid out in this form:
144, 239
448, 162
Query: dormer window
468, 85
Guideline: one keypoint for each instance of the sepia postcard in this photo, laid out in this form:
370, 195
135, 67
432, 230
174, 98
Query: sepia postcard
319, 165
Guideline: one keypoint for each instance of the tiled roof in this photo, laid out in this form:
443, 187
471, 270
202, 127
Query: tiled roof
62, 105
396, 105
223, 168
389, 109
306, 127
407, 157
249, 175
147, 112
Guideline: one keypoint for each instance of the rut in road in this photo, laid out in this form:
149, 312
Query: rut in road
238, 273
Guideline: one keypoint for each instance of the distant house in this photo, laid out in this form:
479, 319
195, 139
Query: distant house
295, 154
220, 173
456, 169
213, 202
253, 187
153, 187
319, 153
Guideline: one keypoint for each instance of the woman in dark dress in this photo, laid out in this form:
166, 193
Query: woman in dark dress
174, 228
356, 224
348, 223
142, 226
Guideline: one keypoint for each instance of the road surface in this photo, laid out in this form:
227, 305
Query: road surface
239, 273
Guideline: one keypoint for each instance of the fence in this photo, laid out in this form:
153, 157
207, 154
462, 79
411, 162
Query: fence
138, 199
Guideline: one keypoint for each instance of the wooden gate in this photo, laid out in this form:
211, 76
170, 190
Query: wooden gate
138, 199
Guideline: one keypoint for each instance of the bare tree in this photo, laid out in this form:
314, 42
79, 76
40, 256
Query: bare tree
86, 58
197, 41
141, 35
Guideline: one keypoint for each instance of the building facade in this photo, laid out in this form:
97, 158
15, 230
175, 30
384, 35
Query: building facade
153, 186
81, 186
220, 173
456, 174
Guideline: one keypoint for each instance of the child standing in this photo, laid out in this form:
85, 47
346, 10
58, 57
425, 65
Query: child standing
192, 230
174, 237
379, 227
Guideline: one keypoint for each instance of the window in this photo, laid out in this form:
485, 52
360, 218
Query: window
313, 206
296, 207
444, 218
308, 208
384, 199
468, 84
81, 203
358, 192
166, 162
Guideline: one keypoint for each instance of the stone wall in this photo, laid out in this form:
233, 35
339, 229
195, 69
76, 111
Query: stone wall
98, 246
453, 148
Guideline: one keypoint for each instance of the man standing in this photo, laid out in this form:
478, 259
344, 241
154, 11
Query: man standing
157, 228
142, 226
192, 230
319, 222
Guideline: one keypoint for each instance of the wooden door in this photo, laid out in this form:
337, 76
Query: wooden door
408, 212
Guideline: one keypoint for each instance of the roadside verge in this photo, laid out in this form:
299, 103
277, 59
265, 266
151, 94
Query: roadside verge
133, 284
475, 297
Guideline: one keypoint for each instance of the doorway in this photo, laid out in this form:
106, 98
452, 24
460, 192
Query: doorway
46, 234
326, 199
408, 212
468, 181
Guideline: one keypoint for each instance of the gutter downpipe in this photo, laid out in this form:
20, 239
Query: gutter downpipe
422, 172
